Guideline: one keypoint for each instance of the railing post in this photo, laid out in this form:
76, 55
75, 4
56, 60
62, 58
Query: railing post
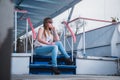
26, 35
15, 31
84, 51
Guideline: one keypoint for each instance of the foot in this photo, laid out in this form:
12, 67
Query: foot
68, 61
55, 70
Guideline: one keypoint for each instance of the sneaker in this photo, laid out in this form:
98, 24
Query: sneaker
55, 70
68, 61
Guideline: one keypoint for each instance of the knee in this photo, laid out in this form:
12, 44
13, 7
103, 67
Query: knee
55, 47
59, 42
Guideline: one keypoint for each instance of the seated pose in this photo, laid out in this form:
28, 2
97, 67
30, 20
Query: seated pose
48, 43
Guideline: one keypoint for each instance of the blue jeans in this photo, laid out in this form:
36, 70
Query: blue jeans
53, 51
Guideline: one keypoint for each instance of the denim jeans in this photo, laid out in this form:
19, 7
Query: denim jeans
53, 51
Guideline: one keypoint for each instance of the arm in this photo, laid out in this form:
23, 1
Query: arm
55, 35
40, 33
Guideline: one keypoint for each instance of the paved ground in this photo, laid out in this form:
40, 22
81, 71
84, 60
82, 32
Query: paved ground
63, 77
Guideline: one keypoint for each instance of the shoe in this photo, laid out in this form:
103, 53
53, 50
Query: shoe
55, 70
68, 61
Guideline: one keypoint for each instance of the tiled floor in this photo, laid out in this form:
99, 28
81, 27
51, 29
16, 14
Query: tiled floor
63, 77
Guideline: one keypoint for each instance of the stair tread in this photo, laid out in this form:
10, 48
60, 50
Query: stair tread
39, 56
48, 65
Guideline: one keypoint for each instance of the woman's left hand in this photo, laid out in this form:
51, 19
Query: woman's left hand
52, 43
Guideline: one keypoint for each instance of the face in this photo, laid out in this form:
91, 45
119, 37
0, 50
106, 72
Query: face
49, 23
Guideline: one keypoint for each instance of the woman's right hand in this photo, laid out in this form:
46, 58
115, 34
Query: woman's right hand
51, 27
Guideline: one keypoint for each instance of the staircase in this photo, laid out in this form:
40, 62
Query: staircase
42, 65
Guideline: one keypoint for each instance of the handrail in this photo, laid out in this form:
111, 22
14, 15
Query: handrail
32, 28
72, 33
33, 36
21, 11
91, 19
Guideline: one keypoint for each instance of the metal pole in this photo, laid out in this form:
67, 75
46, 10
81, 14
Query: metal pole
24, 43
71, 38
64, 38
32, 50
72, 48
84, 51
15, 31
26, 35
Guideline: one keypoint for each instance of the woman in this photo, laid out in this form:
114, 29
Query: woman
47, 43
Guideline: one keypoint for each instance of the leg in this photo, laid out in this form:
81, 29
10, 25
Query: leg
46, 50
62, 49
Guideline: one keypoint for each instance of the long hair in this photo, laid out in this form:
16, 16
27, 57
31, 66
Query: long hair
46, 29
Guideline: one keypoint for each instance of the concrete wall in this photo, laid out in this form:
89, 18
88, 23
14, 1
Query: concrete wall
6, 25
98, 42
